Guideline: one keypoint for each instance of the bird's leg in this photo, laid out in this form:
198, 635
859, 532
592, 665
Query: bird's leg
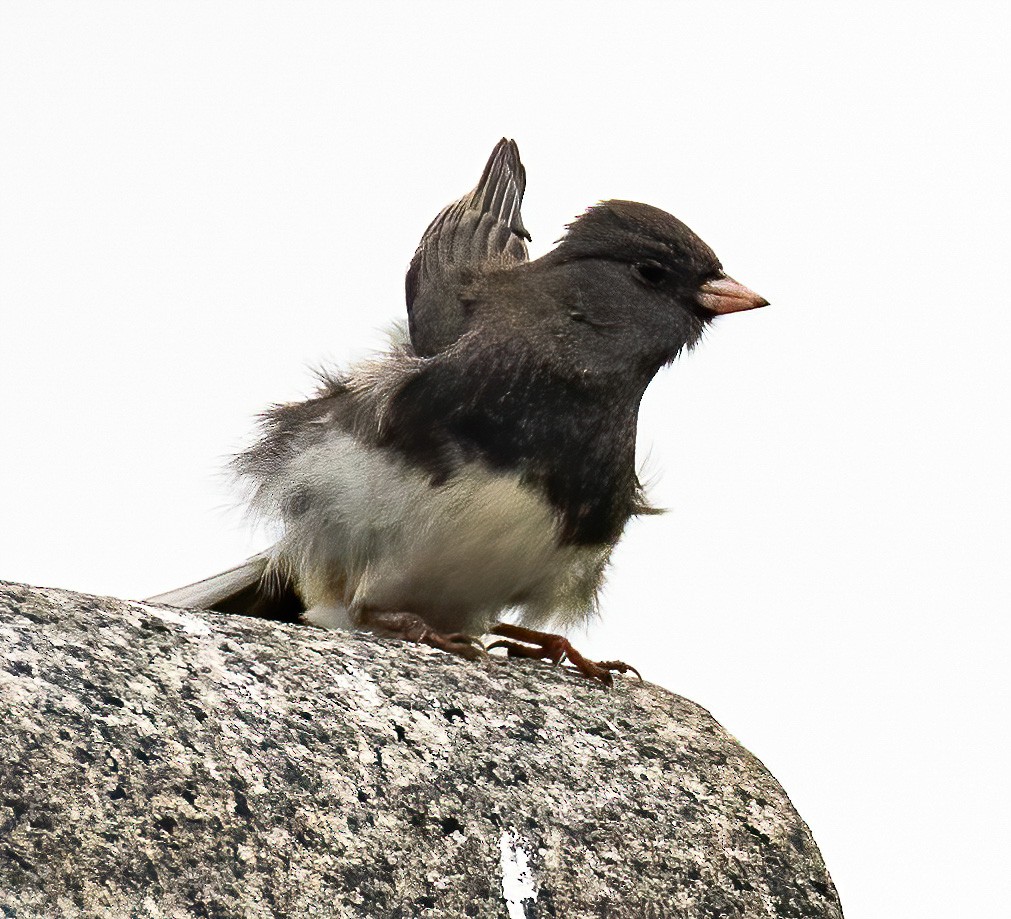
411, 627
555, 648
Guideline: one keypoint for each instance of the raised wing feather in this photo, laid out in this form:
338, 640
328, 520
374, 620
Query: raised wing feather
481, 230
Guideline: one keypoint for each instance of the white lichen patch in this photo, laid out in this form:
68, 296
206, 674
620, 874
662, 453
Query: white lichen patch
191, 624
517, 879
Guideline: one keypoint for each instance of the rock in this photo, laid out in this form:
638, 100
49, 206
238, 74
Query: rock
157, 762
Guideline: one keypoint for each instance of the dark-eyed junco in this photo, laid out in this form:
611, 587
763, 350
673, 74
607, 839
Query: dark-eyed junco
486, 466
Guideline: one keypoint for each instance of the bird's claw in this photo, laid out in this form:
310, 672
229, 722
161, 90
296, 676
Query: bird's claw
458, 643
528, 643
411, 627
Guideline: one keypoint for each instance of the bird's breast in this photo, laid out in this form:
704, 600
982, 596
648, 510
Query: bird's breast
366, 529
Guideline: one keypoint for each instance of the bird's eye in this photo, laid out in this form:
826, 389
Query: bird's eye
651, 273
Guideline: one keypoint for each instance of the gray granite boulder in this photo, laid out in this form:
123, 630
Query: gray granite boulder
163, 763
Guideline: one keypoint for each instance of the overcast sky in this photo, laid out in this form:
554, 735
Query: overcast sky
199, 202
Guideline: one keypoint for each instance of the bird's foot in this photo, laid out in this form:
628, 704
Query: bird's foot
555, 648
411, 627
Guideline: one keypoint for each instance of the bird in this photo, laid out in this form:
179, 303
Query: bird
483, 466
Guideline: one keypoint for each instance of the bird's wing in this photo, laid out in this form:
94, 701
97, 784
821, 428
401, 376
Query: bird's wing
242, 590
482, 229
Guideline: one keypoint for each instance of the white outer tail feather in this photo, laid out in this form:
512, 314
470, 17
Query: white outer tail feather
204, 594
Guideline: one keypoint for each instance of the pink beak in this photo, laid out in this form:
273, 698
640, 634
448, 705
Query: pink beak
725, 295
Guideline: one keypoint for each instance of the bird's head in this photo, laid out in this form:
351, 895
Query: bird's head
640, 277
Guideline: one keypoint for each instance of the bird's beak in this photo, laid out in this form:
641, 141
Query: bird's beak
725, 295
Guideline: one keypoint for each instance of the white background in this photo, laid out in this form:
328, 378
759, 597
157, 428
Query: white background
199, 201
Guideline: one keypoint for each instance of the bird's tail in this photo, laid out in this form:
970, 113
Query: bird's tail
246, 590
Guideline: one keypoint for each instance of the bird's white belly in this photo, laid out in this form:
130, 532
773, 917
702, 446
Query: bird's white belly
363, 530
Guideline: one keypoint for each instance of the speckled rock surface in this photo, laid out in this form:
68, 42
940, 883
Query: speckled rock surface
162, 763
